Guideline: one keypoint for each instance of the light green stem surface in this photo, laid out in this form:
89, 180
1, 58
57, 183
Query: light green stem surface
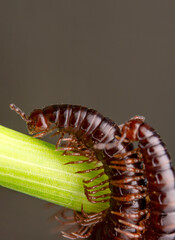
32, 166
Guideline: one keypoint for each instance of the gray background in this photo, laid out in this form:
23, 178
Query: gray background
114, 56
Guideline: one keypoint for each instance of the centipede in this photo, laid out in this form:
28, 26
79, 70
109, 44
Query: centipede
141, 180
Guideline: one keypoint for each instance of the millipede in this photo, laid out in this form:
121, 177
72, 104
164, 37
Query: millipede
140, 179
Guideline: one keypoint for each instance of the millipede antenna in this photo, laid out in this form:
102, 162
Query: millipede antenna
19, 112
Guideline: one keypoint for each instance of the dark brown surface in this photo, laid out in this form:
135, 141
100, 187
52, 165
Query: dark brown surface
161, 183
160, 176
114, 56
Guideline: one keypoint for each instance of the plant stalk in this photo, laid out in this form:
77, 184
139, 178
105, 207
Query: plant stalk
34, 167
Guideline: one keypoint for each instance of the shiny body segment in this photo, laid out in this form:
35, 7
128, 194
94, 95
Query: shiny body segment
160, 176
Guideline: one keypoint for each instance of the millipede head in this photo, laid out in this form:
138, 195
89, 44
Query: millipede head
129, 129
36, 122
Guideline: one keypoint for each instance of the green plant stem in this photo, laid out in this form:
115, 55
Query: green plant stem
32, 166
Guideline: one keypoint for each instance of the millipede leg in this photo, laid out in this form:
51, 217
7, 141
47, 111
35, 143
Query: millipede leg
92, 199
127, 180
84, 232
90, 170
52, 217
64, 216
128, 234
129, 153
127, 161
130, 197
40, 135
64, 223
119, 138
98, 190
137, 215
86, 222
137, 227
71, 145
68, 235
85, 219
92, 179
43, 133
59, 141
130, 169
88, 193
79, 162
89, 160
97, 185
91, 215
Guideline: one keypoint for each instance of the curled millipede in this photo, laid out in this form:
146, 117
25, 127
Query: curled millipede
101, 140
160, 176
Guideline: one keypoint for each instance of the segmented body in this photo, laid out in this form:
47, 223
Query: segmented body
160, 176
136, 211
125, 218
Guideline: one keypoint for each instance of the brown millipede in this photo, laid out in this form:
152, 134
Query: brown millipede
137, 210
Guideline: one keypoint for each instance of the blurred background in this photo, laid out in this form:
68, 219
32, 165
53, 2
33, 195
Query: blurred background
117, 57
